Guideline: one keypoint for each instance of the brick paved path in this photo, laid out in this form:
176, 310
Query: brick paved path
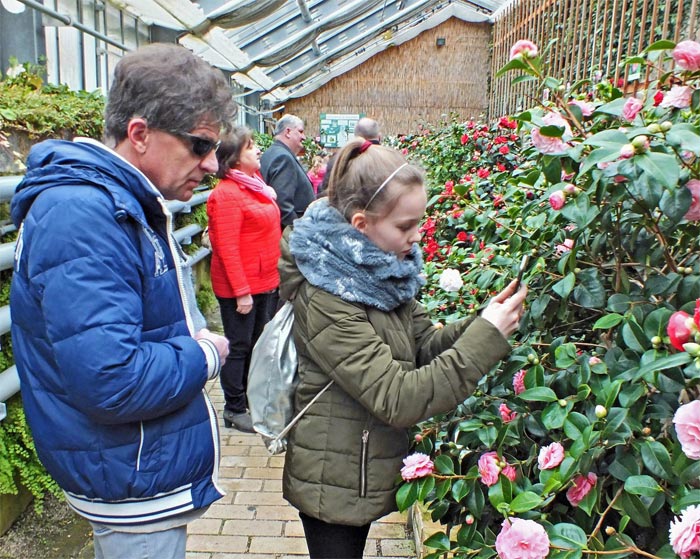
253, 521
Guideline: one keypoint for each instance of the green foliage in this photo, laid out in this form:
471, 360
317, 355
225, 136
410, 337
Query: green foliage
206, 300
609, 266
18, 459
43, 111
262, 140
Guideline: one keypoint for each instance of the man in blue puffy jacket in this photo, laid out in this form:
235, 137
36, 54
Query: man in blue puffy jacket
112, 371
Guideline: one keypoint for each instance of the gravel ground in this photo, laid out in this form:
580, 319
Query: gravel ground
58, 533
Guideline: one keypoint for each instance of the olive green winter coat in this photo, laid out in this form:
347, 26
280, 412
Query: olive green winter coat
391, 371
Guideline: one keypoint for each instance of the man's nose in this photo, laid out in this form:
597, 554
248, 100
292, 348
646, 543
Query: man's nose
209, 163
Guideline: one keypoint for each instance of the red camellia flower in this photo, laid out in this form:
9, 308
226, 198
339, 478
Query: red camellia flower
464, 139
501, 167
482, 173
504, 150
462, 236
449, 187
680, 327
658, 97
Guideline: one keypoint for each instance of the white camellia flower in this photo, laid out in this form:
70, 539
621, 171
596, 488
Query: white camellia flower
451, 280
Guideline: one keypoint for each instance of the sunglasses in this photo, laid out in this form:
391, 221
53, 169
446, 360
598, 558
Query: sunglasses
201, 147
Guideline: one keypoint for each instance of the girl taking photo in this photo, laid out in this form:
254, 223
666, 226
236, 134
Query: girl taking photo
353, 267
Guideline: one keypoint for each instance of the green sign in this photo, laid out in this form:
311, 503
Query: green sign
337, 129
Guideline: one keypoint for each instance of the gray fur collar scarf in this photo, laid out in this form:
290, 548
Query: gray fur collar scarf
334, 256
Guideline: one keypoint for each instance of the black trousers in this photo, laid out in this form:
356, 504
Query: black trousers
333, 541
242, 331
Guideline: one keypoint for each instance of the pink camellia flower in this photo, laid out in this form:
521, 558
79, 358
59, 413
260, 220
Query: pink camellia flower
557, 199
519, 381
679, 97
416, 466
550, 456
522, 539
582, 486
586, 108
687, 422
631, 108
507, 415
680, 327
489, 468
566, 246
684, 532
693, 213
547, 144
524, 48
510, 472
594, 360
687, 55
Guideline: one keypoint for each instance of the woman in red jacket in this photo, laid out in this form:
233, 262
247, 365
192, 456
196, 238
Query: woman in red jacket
244, 228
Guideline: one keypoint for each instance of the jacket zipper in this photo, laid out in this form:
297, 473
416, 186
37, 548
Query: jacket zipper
363, 463
138, 456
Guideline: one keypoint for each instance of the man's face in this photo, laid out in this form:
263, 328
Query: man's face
172, 162
295, 136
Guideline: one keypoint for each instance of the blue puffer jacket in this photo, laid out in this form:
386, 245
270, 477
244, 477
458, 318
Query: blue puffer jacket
112, 381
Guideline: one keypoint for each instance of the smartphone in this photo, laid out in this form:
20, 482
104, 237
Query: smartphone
521, 270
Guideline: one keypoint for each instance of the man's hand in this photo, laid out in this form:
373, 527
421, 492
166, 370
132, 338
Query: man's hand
220, 342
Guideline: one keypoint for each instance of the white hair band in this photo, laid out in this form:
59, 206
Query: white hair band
386, 181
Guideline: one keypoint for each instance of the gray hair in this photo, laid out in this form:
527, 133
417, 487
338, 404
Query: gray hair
171, 88
287, 121
367, 128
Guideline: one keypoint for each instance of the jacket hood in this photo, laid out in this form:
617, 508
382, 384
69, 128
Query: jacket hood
62, 163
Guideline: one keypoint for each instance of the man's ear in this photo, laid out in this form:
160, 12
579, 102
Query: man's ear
359, 221
137, 133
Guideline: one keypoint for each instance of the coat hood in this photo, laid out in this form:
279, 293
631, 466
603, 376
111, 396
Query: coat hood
55, 162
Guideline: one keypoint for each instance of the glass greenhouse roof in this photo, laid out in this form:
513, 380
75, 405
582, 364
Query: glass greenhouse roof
289, 48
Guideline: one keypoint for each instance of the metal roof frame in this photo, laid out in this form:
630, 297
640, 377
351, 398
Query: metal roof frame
282, 49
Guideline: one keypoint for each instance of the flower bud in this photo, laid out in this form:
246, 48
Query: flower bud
627, 151
646, 431
656, 340
562, 403
666, 125
654, 128
418, 437
692, 349
571, 190
640, 143
609, 530
600, 411
469, 520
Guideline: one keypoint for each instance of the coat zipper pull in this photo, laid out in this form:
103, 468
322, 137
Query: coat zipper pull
363, 463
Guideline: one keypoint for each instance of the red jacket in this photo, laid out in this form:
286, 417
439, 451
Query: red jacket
244, 229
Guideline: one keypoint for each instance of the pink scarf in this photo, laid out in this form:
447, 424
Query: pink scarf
254, 183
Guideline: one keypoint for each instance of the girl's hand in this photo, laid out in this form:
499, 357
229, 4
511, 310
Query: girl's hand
505, 309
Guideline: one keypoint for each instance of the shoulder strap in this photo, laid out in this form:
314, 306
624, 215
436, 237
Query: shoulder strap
298, 416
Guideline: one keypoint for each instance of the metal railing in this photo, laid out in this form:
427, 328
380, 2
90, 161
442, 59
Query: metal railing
9, 380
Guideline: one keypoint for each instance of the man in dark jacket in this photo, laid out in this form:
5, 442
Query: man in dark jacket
282, 171
112, 370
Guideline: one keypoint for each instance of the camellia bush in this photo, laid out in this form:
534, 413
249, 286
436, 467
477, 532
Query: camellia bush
586, 440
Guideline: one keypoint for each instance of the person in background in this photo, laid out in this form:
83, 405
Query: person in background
282, 170
367, 129
352, 267
112, 371
317, 171
244, 230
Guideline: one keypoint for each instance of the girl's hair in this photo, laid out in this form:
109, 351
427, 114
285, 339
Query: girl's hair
357, 180
229, 152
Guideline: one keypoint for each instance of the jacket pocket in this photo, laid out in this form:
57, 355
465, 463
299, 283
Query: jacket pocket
363, 463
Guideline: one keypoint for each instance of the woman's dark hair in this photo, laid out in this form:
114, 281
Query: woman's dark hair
171, 88
359, 171
229, 152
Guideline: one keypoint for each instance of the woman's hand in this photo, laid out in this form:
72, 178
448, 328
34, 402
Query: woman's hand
506, 308
244, 304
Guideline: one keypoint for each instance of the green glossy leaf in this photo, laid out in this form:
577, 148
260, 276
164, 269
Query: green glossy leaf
575, 425
612, 139
425, 486
565, 286
539, 394
565, 355
590, 292
656, 459
514, 64
661, 166
607, 321
642, 485
460, 488
444, 465
675, 203
570, 538
554, 415
685, 137
439, 540
632, 506
525, 501
663, 44
406, 495
674, 360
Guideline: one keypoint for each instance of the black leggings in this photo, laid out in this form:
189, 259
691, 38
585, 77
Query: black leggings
333, 541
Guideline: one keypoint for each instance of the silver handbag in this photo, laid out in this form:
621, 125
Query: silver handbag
272, 380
